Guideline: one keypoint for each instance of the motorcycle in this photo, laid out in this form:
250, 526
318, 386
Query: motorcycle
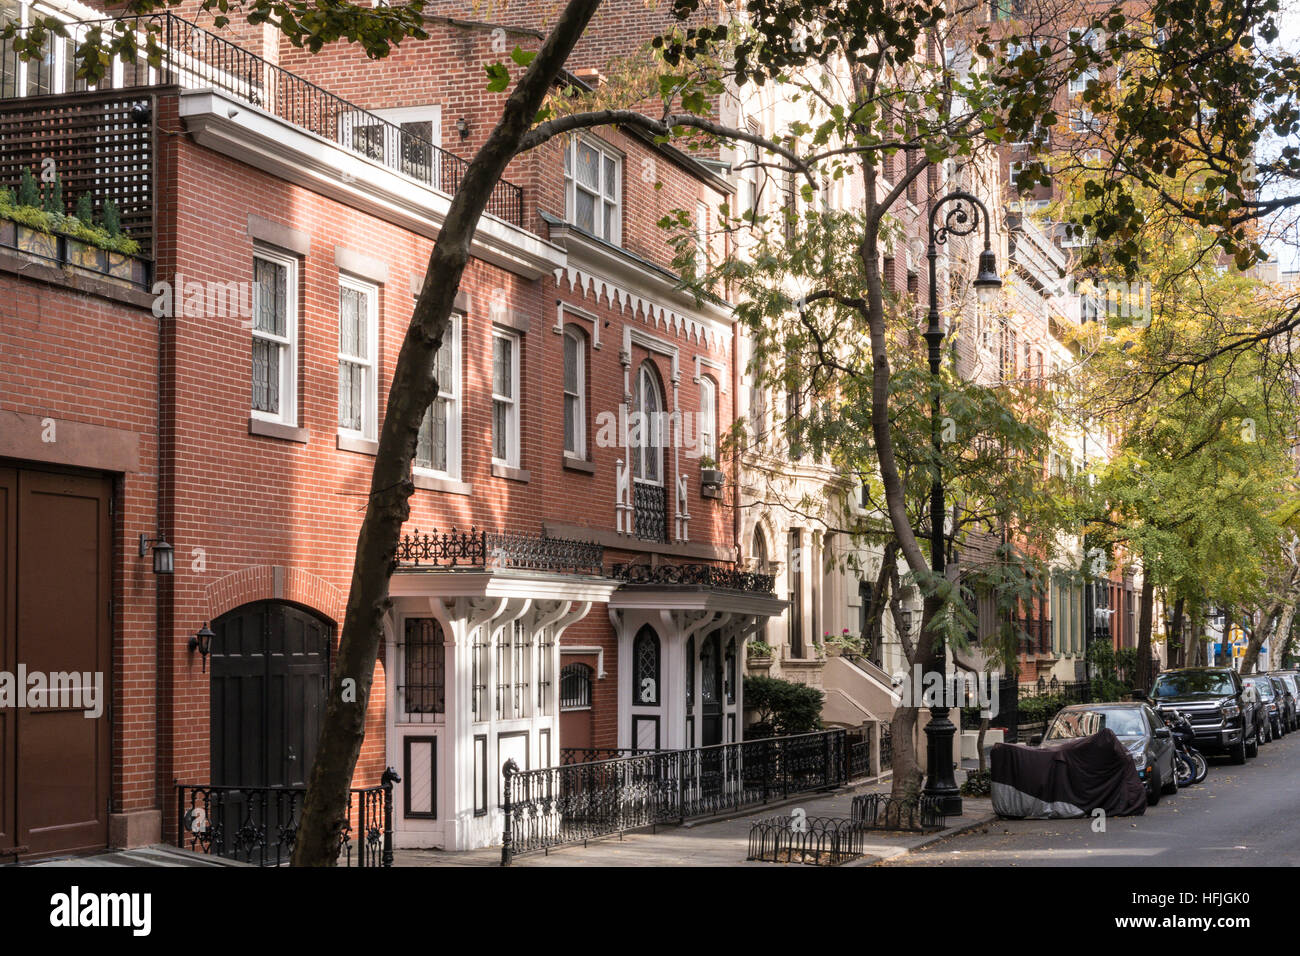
1189, 763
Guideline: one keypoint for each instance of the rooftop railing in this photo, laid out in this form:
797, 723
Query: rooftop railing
174, 51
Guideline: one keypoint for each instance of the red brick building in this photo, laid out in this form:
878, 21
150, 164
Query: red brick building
567, 578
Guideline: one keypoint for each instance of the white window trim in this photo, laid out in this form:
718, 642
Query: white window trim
392, 149
454, 410
580, 429
570, 186
370, 389
512, 435
649, 429
288, 414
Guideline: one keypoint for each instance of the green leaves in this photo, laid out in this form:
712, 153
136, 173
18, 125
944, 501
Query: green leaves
498, 77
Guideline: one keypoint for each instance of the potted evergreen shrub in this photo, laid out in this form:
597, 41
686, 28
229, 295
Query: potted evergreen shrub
710, 475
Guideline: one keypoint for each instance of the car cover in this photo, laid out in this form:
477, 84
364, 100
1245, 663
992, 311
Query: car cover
1071, 779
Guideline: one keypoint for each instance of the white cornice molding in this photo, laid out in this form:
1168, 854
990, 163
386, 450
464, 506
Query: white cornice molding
501, 584
251, 135
607, 275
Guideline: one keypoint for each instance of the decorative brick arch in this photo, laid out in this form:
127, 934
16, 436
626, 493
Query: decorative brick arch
273, 582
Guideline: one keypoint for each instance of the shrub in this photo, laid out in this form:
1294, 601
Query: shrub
29, 194
54, 196
783, 706
112, 218
85, 213
979, 783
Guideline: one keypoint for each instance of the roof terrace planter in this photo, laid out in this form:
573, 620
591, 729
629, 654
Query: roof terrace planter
476, 550
70, 253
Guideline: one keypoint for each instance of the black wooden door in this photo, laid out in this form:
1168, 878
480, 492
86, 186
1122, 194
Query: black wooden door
711, 691
270, 671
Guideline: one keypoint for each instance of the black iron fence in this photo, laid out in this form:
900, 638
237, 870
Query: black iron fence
260, 824
494, 549
572, 755
819, 841
700, 575
573, 803
880, 811
173, 51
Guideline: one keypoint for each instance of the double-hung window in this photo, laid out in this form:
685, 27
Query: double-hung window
592, 174
701, 237
708, 429
505, 398
275, 326
575, 374
358, 348
438, 446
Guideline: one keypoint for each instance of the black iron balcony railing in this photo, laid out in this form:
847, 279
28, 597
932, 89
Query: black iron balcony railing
700, 575
260, 824
577, 802
493, 549
650, 511
174, 51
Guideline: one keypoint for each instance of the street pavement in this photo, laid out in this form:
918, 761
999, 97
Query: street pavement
1240, 816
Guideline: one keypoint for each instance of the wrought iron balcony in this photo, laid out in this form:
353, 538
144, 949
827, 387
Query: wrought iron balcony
1037, 638
492, 549
176, 52
698, 575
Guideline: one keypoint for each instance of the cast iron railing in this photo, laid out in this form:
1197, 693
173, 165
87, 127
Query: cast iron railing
700, 575
880, 811
1037, 637
650, 511
569, 804
177, 52
573, 755
491, 549
260, 824
820, 841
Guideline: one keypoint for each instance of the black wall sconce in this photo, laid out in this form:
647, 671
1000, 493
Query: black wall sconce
202, 642
163, 558
462, 127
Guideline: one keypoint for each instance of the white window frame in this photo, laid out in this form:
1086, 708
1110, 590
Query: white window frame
451, 338
288, 413
370, 387
512, 419
606, 196
708, 425
651, 439
1078, 84
392, 148
580, 414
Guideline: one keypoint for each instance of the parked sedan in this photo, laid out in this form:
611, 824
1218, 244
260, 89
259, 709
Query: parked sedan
1142, 732
1271, 703
1291, 681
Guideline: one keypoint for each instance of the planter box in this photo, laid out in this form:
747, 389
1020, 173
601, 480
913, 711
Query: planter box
712, 476
7, 233
37, 243
86, 256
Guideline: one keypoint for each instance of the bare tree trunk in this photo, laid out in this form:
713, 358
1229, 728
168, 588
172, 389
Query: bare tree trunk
979, 743
1285, 637
1144, 678
1258, 636
325, 807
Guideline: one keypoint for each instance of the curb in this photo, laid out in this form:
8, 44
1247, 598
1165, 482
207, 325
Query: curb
894, 853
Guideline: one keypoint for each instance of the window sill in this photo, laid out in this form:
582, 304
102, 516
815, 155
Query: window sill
435, 483
512, 474
579, 464
362, 446
265, 429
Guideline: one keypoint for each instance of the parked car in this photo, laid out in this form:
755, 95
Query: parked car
1273, 703
1139, 728
1224, 717
1291, 681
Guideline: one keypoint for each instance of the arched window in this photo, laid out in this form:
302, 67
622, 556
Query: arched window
646, 431
645, 667
758, 550
575, 687
575, 393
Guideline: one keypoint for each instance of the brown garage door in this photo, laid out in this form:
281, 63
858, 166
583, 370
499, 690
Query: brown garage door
55, 549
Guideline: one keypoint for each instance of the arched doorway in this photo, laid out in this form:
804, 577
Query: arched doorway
270, 671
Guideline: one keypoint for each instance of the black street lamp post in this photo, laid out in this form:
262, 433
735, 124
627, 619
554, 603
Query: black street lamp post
962, 219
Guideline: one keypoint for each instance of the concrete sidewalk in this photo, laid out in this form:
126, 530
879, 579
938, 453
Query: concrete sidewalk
713, 841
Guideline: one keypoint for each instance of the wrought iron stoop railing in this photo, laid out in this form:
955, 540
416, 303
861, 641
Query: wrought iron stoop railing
573, 803
260, 824
493, 549
174, 51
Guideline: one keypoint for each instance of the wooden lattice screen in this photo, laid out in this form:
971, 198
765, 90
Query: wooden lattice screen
101, 143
